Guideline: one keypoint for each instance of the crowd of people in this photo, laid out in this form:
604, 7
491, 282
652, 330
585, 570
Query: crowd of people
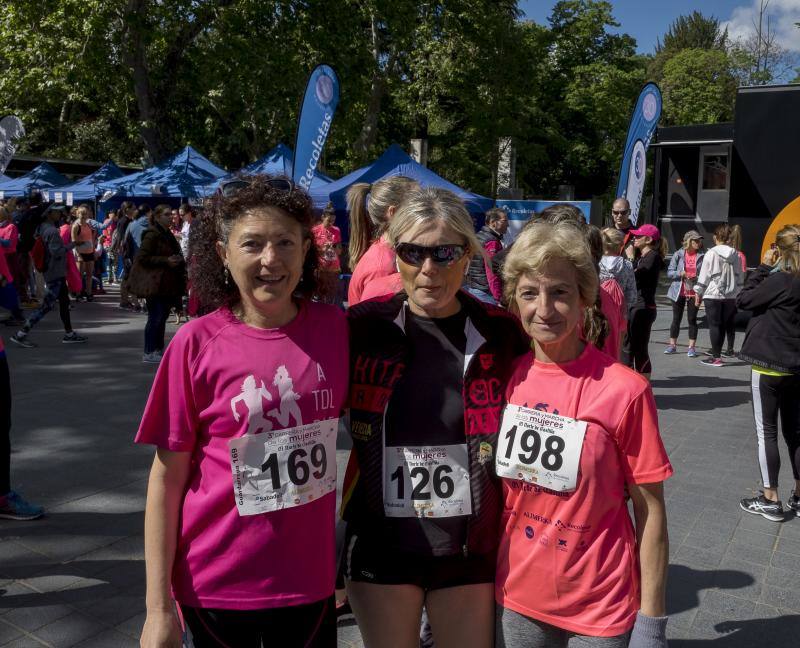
497, 397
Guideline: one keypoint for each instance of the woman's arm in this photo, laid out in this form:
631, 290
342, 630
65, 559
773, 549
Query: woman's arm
673, 272
652, 543
165, 492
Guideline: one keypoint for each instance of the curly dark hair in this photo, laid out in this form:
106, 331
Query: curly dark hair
206, 271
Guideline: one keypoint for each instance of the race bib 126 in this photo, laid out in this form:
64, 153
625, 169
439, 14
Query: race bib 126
283, 468
426, 481
540, 448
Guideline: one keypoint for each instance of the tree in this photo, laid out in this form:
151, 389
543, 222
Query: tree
698, 87
694, 31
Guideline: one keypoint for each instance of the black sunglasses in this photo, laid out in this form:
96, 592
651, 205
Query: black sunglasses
620, 213
232, 187
441, 255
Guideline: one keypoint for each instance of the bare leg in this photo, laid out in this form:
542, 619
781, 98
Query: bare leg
462, 617
388, 615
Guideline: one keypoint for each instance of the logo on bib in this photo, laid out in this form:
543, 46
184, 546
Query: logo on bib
529, 532
485, 453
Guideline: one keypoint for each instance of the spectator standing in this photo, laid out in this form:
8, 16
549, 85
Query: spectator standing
27, 218
683, 269
614, 266
718, 283
481, 280
772, 345
735, 242
9, 298
54, 271
371, 208
159, 275
83, 239
328, 241
621, 218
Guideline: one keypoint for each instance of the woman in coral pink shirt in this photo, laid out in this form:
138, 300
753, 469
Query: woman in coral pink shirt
579, 436
239, 523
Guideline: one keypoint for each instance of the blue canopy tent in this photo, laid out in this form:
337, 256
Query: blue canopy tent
86, 188
42, 177
277, 162
3, 178
184, 175
394, 161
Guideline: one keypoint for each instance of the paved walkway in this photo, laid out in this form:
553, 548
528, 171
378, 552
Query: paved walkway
77, 576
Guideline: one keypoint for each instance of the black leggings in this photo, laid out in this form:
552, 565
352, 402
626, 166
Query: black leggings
5, 426
721, 316
774, 396
635, 351
677, 315
299, 626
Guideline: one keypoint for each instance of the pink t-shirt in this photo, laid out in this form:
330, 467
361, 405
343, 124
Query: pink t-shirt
690, 268
9, 231
211, 368
569, 559
325, 240
378, 261
382, 286
612, 303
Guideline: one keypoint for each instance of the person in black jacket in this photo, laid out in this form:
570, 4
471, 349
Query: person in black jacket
481, 281
421, 499
772, 345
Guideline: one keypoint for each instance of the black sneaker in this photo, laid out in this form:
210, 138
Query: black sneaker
73, 338
794, 504
22, 340
729, 353
762, 506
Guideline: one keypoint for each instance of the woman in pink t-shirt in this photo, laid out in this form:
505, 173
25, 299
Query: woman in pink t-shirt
328, 240
580, 435
239, 523
371, 208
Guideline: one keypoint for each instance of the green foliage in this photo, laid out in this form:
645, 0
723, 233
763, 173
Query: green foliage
133, 79
694, 31
698, 87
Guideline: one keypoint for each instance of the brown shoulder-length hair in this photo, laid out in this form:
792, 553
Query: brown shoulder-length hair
220, 213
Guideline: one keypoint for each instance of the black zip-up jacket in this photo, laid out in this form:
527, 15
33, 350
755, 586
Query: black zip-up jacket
378, 352
773, 334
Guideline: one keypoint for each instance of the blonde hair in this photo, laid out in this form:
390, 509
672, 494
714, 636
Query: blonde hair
544, 242
735, 237
423, 206
612, 241
788, 242
368, 220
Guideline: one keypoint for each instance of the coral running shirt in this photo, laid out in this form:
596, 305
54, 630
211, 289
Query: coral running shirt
378, 261
569, 559
217, 370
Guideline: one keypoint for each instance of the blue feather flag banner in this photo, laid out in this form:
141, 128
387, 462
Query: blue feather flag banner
634, 160
11, 131
314, 124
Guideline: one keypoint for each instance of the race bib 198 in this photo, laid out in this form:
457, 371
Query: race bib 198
540, 448
283, 468
426, 481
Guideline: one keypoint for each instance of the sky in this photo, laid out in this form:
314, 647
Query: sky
647, 20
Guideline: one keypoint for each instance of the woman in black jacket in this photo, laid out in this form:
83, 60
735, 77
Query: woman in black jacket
159, 275
772, 345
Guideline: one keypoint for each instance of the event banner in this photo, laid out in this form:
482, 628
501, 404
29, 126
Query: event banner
519, 211
11, 131
632, 173
314, 124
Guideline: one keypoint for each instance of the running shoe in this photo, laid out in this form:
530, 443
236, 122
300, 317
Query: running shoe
73, 338
151, 358
762, 506
22, 340
729, 353
794, 504
670, 350
14, 507
713, 362
692, 352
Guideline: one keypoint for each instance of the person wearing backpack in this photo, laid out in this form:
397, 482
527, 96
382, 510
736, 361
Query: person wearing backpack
50, 254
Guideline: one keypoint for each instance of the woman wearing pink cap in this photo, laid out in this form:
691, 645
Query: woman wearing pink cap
647, 264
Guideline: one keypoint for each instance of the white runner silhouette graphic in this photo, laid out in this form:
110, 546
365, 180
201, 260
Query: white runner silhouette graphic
252, 395
288, 407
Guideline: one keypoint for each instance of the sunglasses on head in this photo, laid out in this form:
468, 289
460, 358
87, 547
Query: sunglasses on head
441, 255
232, 187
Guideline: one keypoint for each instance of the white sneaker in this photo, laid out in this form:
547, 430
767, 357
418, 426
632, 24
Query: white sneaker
151, 358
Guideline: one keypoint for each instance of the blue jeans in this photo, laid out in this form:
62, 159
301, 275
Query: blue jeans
157, 314
481, 294
55, 291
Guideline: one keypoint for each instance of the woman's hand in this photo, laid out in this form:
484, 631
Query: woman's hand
161, 630
771, 257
